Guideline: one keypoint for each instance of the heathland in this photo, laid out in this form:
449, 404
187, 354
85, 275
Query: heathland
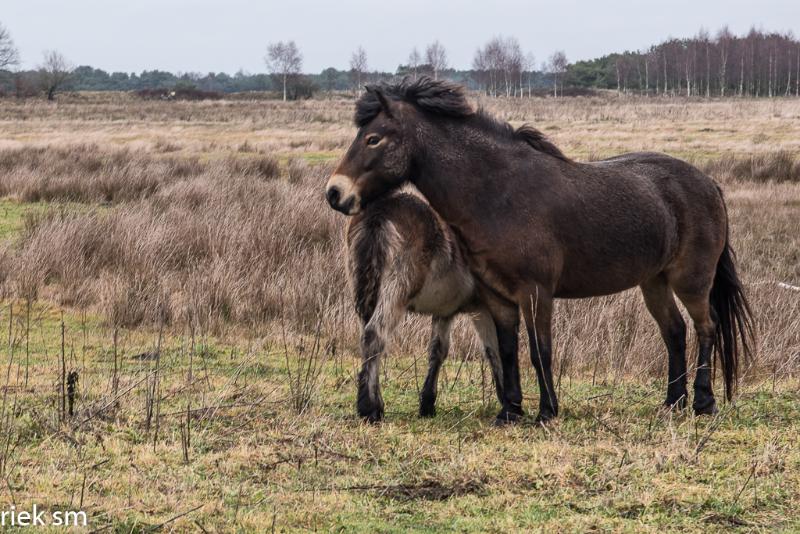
180, 347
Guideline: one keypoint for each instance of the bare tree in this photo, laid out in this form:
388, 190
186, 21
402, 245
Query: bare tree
650, 58
54, 71
480, 68
358, 66
558, 66
436, 57
488, 63
414, 60
284, 60
703, 40
513, 60
724, 40
492, 64
9, 55
530, 65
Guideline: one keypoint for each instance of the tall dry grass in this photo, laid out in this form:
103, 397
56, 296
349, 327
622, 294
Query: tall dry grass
229, 244
86, 173
222, 225
243, 242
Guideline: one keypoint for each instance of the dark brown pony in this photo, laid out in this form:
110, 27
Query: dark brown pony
403, 257
538, 226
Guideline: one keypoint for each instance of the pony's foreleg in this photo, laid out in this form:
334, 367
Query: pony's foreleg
505, 315
437, 352
538, 314
487, 332
376, 335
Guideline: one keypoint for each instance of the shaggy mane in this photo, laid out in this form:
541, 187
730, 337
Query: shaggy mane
539, 141
434, 96
440, 97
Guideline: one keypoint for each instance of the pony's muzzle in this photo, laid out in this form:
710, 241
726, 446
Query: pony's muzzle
333, 195
341, 195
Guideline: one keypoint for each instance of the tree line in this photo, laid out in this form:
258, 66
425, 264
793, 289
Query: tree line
758, 64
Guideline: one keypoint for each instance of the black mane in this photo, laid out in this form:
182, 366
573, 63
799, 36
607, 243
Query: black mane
434, 96
539, 141
440, 97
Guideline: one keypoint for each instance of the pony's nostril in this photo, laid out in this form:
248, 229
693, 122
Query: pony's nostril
333, 196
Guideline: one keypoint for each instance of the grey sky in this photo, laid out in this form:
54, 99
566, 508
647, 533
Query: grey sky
216, 35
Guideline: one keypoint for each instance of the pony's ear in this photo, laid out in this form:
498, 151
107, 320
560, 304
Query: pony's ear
386, 106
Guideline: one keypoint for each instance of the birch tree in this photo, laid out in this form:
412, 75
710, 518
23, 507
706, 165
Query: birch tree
358, 67
9, 55
436, 57
284, 60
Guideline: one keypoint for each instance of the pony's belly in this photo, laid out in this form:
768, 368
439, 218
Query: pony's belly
588, 292
588, 284
443, 297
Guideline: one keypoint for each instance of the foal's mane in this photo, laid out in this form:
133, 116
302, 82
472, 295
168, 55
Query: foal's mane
447, 99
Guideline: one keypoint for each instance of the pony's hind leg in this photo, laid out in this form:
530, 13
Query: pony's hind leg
377, 331
699, 308
487, 332
661, 304
437, 352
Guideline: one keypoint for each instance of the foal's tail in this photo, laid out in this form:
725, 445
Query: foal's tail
734, 330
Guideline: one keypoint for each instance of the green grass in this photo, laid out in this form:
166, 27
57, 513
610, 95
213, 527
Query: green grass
321, 157
12, 217
612, 461
13, 213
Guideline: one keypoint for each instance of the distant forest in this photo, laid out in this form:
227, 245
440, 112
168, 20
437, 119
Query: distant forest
758, 64
755, 64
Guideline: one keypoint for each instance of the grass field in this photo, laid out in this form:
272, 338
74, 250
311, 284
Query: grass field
177, 260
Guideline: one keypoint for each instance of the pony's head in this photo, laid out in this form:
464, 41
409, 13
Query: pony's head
382, 155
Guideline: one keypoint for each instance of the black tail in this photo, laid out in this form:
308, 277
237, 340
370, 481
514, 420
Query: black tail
734, 335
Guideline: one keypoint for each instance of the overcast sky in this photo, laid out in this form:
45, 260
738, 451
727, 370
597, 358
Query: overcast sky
217, 35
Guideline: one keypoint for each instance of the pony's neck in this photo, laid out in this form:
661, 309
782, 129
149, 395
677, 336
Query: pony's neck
458, 171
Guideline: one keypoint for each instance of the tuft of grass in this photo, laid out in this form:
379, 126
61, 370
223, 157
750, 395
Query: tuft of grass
774, 166
88, 174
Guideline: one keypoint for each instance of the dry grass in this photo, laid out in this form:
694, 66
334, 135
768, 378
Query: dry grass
87, 173
212, 249
776, 166
196, 236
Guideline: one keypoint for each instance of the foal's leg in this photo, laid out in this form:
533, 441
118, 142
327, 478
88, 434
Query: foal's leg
699, 308
538, 314
437, 352
377, 331
487, 332
661, 305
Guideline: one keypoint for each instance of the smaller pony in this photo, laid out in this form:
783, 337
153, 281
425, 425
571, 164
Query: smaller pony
403, 257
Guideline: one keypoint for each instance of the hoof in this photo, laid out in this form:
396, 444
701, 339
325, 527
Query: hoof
545, 417
427, 410
371, 415
507, 417
427, 405
706, 408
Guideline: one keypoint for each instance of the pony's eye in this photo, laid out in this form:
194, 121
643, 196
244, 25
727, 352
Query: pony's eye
373, 140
